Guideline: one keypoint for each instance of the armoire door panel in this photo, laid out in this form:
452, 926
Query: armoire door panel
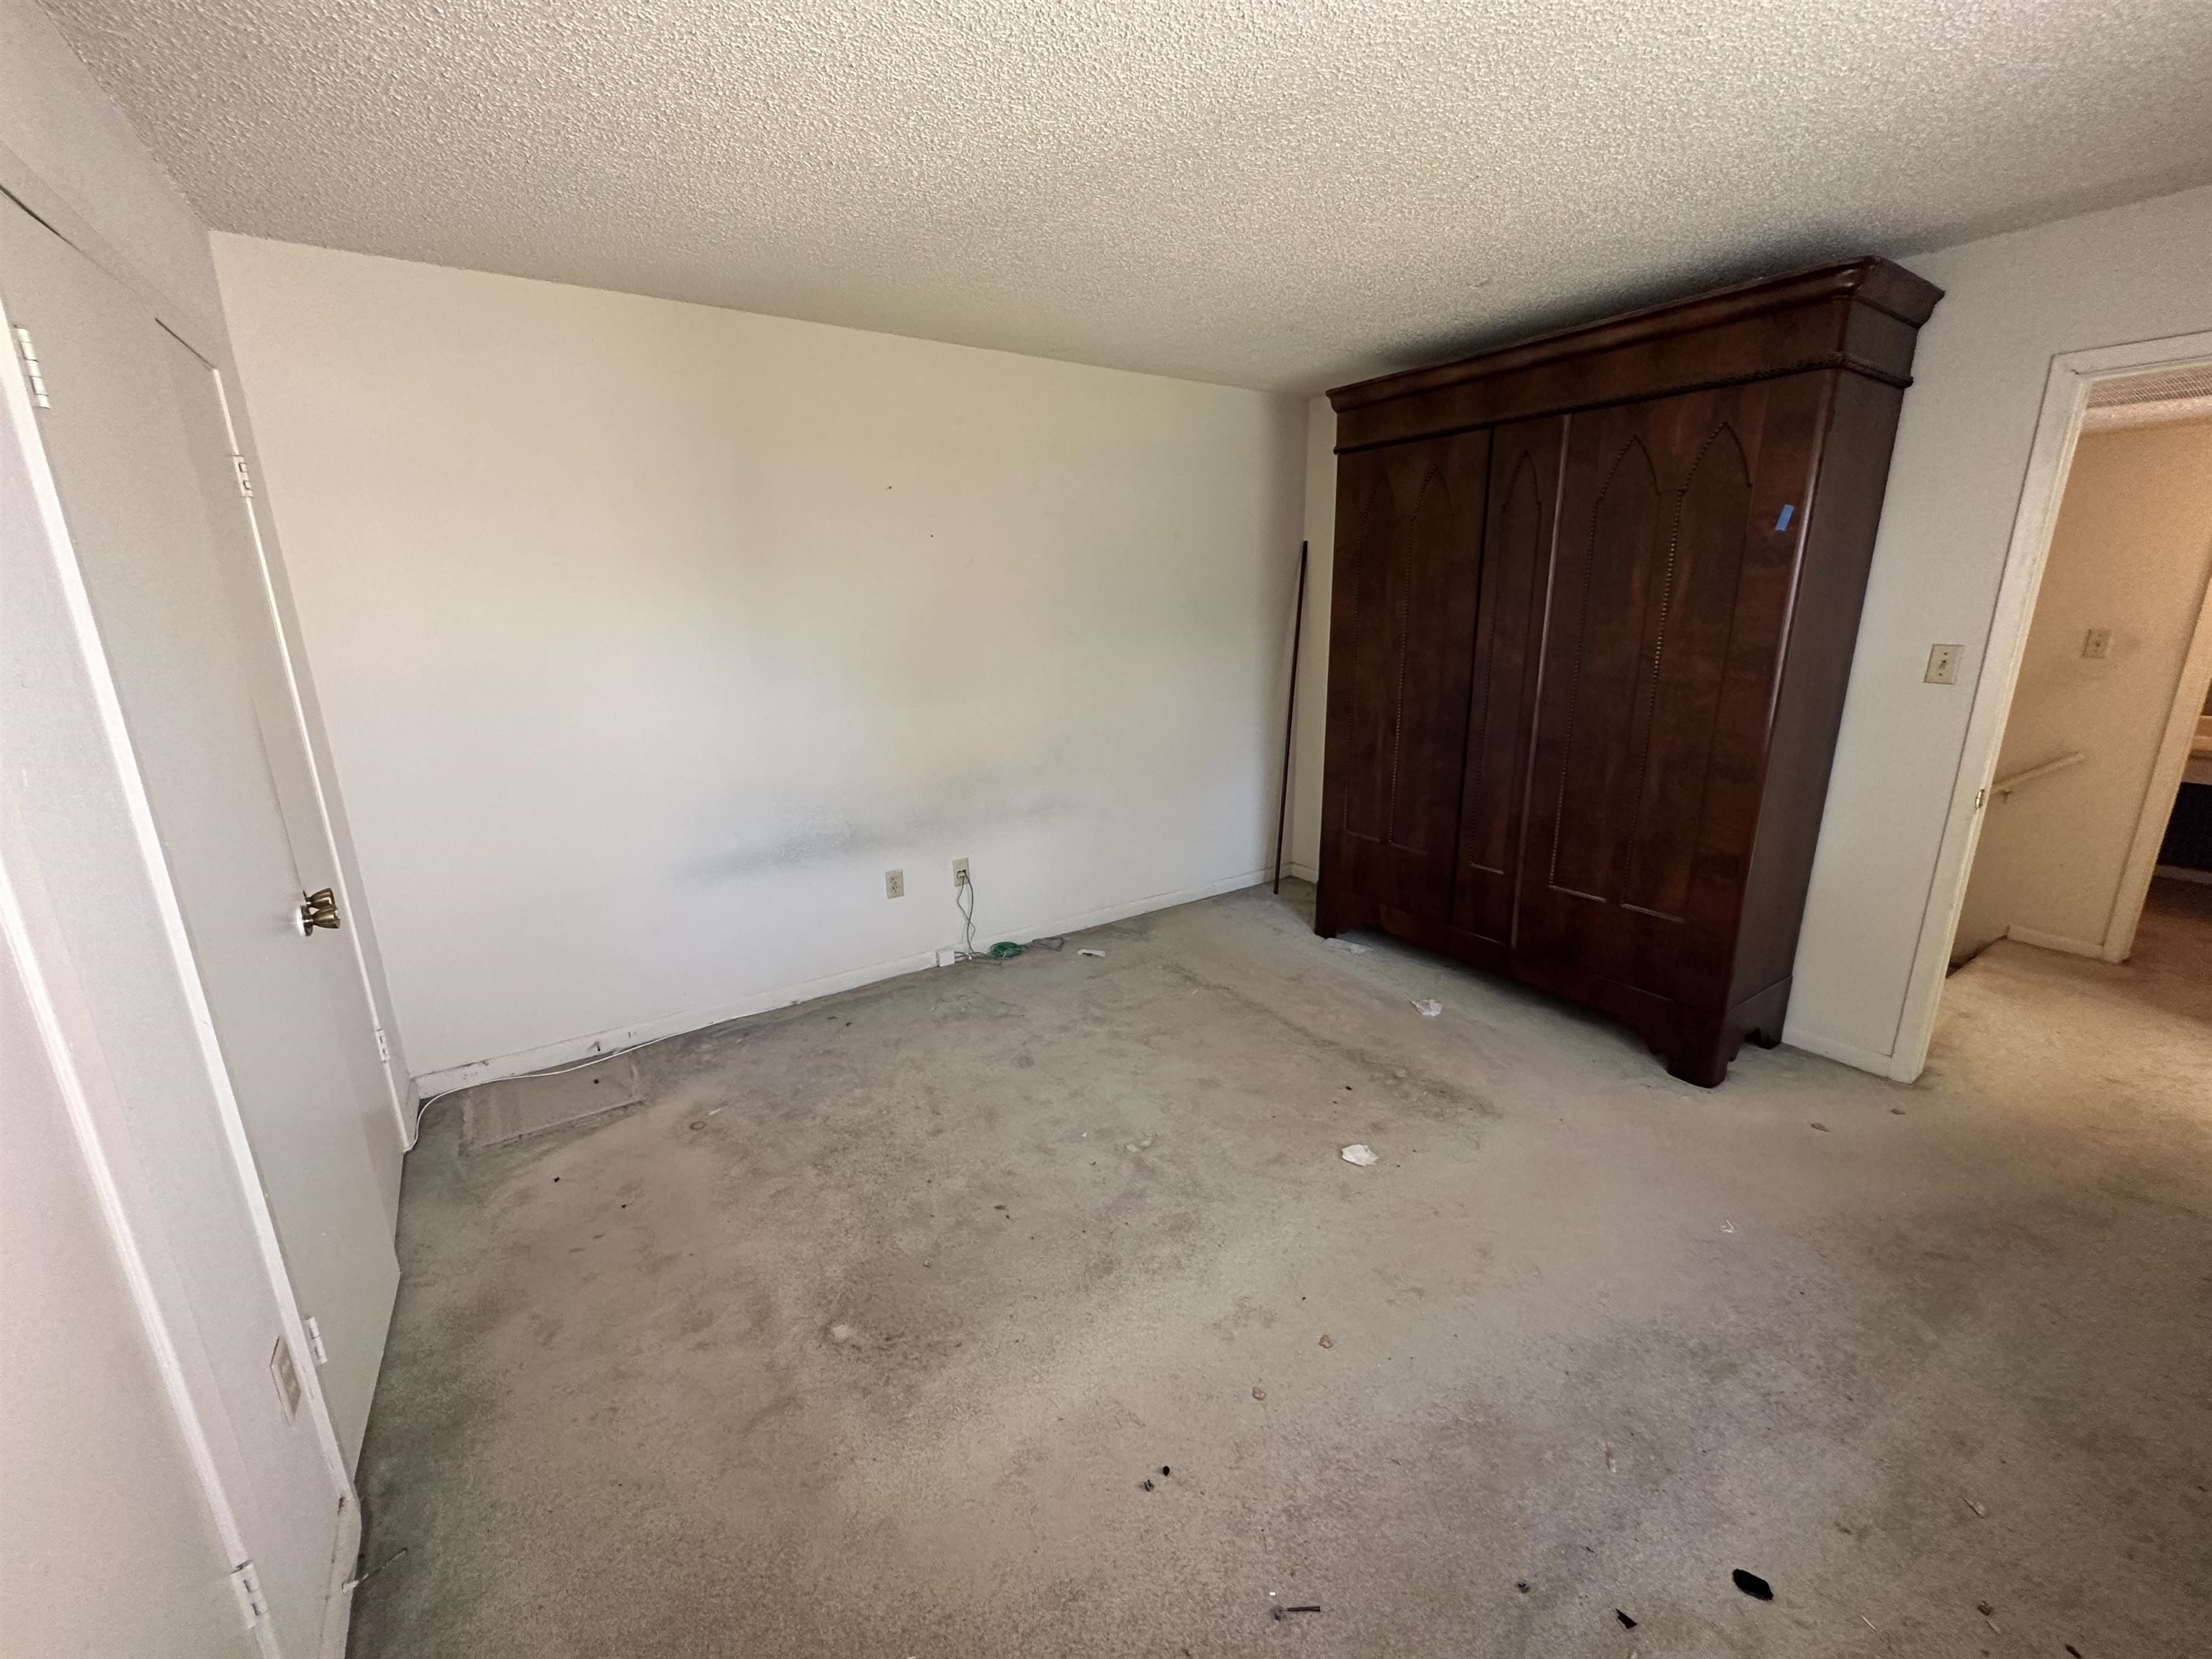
1522, 502
1363, 644
1597, 646
1669, 608
1696, 609
1791, 419
1404, 628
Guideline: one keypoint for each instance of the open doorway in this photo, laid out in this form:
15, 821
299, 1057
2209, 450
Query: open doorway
2094, 832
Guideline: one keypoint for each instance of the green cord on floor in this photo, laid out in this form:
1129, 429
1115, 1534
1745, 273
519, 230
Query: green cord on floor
1004, 950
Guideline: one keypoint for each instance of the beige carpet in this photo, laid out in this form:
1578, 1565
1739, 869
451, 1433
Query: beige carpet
983, 1313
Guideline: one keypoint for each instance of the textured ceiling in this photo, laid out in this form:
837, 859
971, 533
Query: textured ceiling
1273, 193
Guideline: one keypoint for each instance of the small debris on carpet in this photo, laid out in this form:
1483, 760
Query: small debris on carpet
1977, 1508
1363, 1155
1752, 1585
1144, 1486
1090, 953
1259, 1394
1822, 1127
1430, 1006
1328, 1342
1728, 1226
1521, 1584
1284, 1612
1985, 1608
1626, 1623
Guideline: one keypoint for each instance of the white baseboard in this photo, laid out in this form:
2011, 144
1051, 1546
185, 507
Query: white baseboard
1845, 1053
2043, 941
571, 1050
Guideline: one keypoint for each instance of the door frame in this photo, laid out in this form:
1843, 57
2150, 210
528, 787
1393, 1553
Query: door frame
182, 1367
113, 177
2057, 431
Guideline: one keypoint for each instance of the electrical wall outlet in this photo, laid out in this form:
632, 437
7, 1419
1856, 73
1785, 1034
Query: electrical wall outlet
893, 883
1944, 664
960, 873
2097, 642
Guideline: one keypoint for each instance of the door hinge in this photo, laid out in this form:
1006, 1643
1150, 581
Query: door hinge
315, 1341
246, 1581
32, 372
383, 1046
245, 475
318, 909
1980, 795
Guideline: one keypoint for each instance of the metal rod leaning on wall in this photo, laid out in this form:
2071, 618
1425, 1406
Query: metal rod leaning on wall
1291, 716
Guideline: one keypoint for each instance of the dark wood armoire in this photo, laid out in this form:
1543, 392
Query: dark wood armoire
1594, 605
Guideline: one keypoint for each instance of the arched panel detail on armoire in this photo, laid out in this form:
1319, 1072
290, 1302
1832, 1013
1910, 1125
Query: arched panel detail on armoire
1695, 616
1433, 546
1599, 658
1524, 486
1369, 637
1400, 738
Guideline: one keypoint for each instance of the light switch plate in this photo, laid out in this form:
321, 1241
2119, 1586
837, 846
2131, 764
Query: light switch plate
1944, 664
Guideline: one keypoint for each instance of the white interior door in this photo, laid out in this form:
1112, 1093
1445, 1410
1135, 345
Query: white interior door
208, 435
140, 459
97, 945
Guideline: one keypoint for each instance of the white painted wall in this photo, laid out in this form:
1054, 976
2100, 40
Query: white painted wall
111, 1552
2132, 553
651, 634
2012, 303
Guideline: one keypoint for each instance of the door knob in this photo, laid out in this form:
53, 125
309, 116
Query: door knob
318, 910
